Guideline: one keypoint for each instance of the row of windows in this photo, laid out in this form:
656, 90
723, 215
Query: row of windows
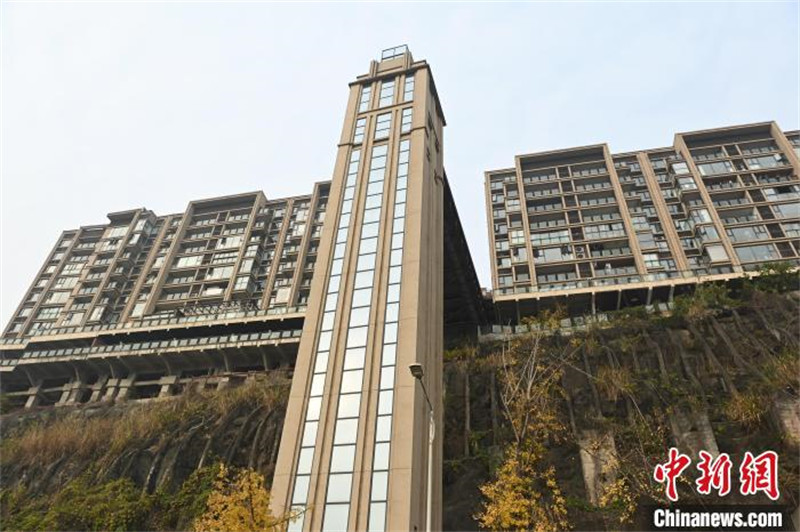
337, 500
380, 461
311, 423
386, 93
383, 126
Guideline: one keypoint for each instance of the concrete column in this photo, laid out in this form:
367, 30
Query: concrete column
124, 387
167, 385
33, 395
598, 462
692, 431
98, 388
786, 413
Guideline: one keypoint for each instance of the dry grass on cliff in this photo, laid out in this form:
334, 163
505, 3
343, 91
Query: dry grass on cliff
107, 433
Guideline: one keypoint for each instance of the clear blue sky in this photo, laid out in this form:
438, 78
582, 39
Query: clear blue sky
111, 106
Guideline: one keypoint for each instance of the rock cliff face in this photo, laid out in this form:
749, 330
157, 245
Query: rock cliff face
718, 374
720, 377
156, 444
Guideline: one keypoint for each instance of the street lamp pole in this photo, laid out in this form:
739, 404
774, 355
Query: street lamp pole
418, 372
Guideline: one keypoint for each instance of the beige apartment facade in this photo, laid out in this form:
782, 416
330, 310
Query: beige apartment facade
595, 231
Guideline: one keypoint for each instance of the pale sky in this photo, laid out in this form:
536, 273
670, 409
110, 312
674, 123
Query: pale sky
112, 106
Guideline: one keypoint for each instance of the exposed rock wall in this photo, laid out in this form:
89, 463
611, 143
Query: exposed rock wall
722, 381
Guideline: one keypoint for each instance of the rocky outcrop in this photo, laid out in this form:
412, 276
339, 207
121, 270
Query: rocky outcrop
158, 443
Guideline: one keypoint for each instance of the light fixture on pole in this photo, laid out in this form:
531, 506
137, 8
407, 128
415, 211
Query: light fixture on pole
417, 371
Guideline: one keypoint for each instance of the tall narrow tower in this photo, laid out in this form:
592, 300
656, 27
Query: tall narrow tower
354, 452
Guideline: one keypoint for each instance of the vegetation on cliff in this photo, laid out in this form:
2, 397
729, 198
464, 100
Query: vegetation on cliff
162, 465
581, 417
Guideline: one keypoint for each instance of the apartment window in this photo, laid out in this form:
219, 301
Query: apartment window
707, 233
109, 245
57, 297
554, 277
739, 216
117, 232
759, 253
787, 210
361, 126
709, 154
593, 169
680, 168
48, 313
747, 234
700, 216
651, 260
229, 242
517, 237
791, 229
611, 230
719, 167
782, 193
282, 295
550, 237
226, 256
186, 262
687, 183
553, 254
408, 90
74, 318
363, 103
597, 216
386, 94
236, 230
382, 126
71, 268
767, 161
138, 310
758, 147
716, 253
220, 273
609, 250
65, 282
405, 120
646, 240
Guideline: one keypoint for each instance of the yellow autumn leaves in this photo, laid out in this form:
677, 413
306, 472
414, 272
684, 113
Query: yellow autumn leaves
239, 502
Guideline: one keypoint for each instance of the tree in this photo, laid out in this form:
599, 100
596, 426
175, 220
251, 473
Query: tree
524, 494
239, 502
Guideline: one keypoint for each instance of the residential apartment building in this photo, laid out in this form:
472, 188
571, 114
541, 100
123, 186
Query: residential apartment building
145, 305
595, 230
222, 255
